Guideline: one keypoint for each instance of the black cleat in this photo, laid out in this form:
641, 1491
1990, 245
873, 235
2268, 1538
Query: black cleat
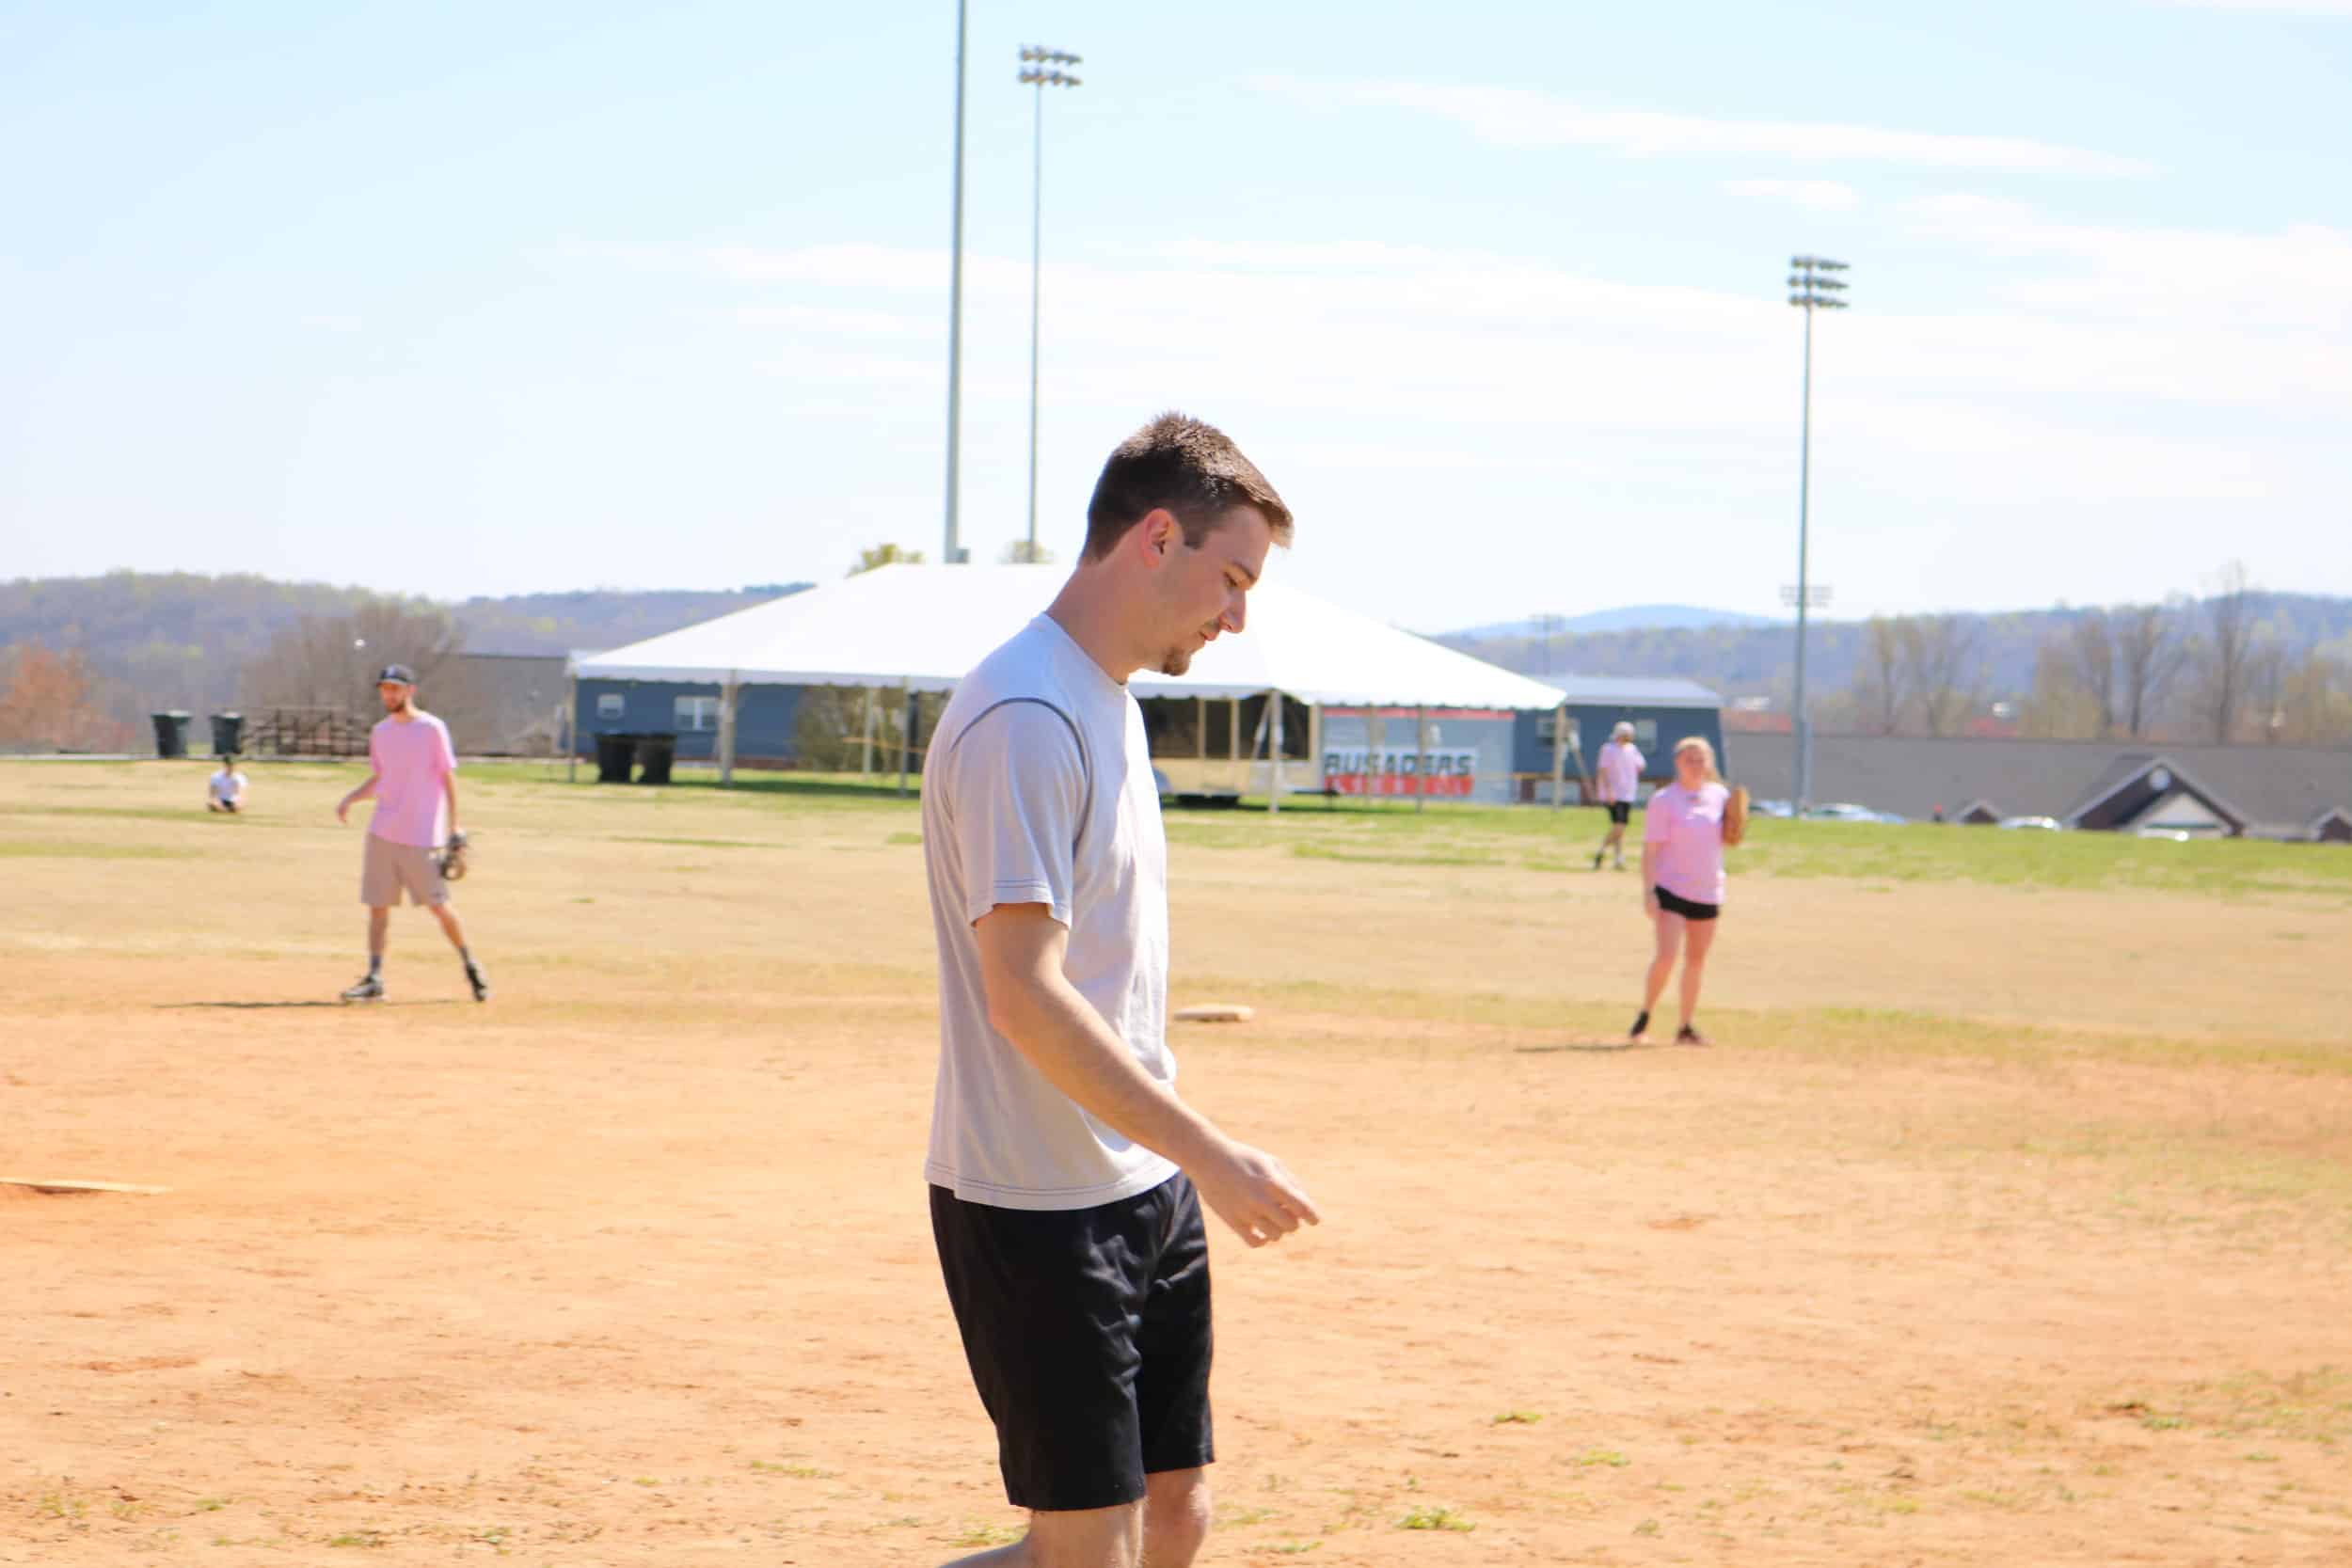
1641, 1025
1688, 1036
369, 989
480, 982
1598, 856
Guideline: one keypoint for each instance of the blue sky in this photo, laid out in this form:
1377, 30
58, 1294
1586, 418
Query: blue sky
525, 297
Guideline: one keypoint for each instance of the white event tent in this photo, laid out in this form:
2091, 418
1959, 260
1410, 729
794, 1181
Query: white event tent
920, 627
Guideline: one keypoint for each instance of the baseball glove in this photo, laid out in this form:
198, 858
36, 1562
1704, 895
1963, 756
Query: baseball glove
453, 858
1735, 816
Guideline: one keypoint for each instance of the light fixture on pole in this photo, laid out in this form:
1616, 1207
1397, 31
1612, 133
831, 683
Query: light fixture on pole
1040, 67
953, 553
1812, 285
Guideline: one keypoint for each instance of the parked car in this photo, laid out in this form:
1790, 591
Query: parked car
1772, 808
2043, 824
1846, 811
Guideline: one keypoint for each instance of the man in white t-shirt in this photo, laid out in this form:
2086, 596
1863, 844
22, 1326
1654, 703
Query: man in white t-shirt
1620, 779
1067, 1177
225, 790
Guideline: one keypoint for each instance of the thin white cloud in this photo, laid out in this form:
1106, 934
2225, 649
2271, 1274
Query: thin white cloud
1814, 196
2291, 8
332, 324
1514, 117
2180, 280
842, 322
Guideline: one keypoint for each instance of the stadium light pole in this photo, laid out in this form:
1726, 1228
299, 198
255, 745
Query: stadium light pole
953, 553
1812, 285
1041, 67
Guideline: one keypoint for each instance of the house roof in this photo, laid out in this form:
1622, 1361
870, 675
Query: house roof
2281, 786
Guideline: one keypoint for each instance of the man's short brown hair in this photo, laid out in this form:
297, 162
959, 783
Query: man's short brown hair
1192, 469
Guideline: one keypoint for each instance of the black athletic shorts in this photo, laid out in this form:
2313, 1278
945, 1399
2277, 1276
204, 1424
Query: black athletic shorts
1688, 908
1621, 812
1088, 1334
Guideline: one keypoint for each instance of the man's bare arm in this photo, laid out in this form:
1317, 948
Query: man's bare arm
1032, 1004
344, 806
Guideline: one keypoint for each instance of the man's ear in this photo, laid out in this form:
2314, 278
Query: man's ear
1159, 531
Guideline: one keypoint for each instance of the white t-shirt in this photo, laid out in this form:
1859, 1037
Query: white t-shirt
1620, 771
1037, 789
227, 787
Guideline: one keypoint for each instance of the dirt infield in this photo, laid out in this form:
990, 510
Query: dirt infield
2004, 1225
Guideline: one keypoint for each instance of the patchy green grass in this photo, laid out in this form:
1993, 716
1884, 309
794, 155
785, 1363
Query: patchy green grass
1434, 1518
55, 850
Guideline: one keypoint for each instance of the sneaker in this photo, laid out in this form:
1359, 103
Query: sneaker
1641, 1025
1597, 855
369, 989
480, 982
1688, 1036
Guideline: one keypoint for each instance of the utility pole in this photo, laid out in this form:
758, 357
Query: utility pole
1812, 287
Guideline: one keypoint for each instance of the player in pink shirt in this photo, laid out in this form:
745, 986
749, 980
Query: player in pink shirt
1619, 767
1682, 878
412, 778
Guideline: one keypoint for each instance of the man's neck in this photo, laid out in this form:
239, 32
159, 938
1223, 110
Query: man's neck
1088, 611
406, 714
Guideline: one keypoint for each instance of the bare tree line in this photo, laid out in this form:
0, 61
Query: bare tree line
2208, 670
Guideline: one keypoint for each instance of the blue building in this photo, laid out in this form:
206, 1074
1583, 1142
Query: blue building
766, 716
1663, 712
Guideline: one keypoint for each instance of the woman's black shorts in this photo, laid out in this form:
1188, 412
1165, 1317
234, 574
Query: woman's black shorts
1088, 1334
1621, 812
1688, 908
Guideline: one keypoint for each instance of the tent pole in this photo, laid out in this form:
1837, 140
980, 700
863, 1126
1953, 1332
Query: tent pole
1314, 750
1559, 753
1232, 741
571, 733
1200, 728
729, 695
1274, 778
1375, 741
1421, 755
906, 737
865, 763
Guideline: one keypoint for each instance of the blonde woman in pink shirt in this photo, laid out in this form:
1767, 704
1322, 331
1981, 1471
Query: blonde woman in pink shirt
1682, 879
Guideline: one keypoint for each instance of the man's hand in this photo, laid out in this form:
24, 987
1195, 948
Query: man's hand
1252, 1191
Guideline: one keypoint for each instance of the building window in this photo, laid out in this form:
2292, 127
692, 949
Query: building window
609, 705
1646, 736
695, 713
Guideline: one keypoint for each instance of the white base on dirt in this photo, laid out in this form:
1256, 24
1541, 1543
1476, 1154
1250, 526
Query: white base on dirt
1215, 1012
63, 1186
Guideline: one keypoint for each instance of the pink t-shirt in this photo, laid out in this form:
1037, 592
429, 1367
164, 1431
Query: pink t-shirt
1686, 829
1620, 771
410, 761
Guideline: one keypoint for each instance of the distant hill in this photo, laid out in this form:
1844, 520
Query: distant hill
1753, 660
178, 639
1664, 617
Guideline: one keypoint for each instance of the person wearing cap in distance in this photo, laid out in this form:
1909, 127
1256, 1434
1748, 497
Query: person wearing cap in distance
225, 790
412, 778
1620, 771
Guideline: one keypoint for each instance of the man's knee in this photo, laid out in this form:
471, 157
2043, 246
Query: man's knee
1175, 1517
1088, 1538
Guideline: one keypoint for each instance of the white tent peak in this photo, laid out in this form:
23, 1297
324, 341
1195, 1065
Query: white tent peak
922, 627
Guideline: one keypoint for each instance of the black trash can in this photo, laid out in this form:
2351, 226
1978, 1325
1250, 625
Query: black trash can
655, 753
227, 734
614, 753
171, 734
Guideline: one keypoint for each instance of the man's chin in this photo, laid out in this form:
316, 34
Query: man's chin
1175, 662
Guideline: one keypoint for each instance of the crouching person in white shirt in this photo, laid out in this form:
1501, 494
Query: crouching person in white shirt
225, 791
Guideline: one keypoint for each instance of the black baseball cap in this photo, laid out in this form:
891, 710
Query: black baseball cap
400, 673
